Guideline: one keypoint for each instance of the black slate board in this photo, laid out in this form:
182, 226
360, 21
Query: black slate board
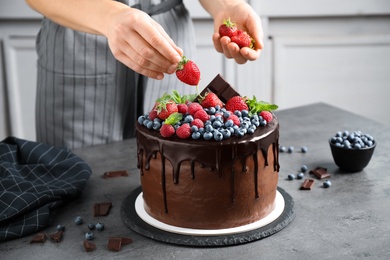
133, 221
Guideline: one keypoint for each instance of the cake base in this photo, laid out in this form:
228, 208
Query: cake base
205, 238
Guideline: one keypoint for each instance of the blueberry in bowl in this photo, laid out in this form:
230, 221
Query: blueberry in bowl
352, 151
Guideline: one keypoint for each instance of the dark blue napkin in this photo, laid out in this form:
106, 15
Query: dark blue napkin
35, 179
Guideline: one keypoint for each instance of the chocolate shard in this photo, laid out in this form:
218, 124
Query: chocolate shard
38, 238
57, 236
89, 246
221, 88
114, 174
101, 209
320, 172
307, 184
115, 244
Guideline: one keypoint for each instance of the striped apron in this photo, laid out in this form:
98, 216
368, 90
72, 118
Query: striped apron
85, 97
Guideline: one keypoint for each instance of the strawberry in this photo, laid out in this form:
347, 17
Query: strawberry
193, 107
202, 115
167, 130
166, 108
184, 131
197, 122
236, 103
228, 28
188, 72
182, 108
242, 39
266, 115
235, 119
211, 100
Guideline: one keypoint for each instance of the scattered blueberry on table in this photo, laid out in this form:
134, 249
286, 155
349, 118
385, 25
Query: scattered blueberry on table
99, 226
78, 220
89, 235
327, 183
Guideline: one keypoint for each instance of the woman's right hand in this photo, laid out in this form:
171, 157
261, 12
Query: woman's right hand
140, 43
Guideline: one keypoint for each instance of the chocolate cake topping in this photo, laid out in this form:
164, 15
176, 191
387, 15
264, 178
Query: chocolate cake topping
221, 88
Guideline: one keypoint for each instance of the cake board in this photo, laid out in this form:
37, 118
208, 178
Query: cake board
133, 220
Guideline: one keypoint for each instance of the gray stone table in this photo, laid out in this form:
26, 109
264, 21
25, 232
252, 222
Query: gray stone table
349, 220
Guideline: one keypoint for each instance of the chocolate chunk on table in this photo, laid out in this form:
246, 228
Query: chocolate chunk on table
115, 243
307, 184
114, 174
320, 172
221, 88
57, 236
101, 209
89, 246
39, 238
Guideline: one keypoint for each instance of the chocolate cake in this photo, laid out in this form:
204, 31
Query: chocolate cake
208, 184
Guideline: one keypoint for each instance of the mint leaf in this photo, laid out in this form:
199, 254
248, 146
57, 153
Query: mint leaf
258, 106
173, 118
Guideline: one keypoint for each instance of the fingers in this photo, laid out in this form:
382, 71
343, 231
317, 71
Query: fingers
232, 51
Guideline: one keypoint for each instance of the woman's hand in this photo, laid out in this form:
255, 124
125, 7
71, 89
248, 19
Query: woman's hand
140, 43
246, 19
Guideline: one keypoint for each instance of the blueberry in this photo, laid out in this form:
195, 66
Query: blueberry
226, 114
303, 168
245, 124
156, 125
255, 122
217, 124
229, 123
327, 183
60, 227
208, 135
291, 176
78, 220
201, 130
226, 133
219, 118
212, 110
212, 118
300, 175
251, 129
91, 226
239, 132
149, 125
141, 119
263, 122
217, 107
290, 149
282, 149
188, 119
238, 113
218, 136
89, 235
146, 121
194, 128
209, 128
99, 226
244, 113
195, 135
304, 149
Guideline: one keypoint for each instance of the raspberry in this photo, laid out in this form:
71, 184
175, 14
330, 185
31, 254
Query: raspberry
193, 107
266, 115
202, 115
197, 122
183, 108
184, 131
167, 130
153, 114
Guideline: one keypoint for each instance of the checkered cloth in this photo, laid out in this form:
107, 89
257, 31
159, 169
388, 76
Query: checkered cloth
35, 179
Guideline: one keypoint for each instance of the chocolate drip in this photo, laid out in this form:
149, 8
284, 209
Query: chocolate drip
211, 154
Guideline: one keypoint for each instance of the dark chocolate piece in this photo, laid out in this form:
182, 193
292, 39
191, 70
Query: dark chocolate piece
101, 209
221, 88
89, 246
320, 173
114, 174
307, 184
38, 238
115, 244
57, 236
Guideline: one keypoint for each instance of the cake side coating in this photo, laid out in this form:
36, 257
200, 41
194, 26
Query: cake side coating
208, 184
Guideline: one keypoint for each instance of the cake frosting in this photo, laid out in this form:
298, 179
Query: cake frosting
203, 184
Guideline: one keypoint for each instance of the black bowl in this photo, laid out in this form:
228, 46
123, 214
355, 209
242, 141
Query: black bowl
351, 160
